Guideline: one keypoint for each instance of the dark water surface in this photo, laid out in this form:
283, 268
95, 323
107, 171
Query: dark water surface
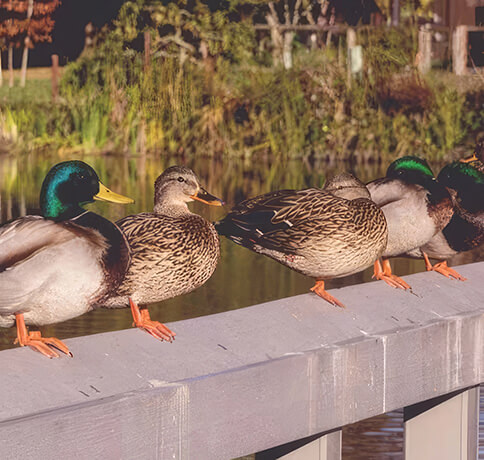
242, 278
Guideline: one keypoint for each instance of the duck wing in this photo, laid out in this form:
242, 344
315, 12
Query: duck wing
285, 220
32, 252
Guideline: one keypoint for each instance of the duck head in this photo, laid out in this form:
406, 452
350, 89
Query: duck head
347, 186
478, 155
177, 186
411, 170
466, 181
70, 185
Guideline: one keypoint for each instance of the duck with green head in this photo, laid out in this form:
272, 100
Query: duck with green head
56, 266
416, 207
465, 231
476, 160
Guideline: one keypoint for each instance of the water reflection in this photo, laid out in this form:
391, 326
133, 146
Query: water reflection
375, 438
230, 287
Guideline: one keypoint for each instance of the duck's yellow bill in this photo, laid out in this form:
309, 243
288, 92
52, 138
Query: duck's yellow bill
469, 159
205, 197
108, 195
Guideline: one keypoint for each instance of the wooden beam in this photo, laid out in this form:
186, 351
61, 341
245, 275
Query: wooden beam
247, 380
327, 447
446, 428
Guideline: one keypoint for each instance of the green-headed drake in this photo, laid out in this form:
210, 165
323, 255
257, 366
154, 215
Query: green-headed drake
416, 208
465, 230
173, 251
56, 266
322, 233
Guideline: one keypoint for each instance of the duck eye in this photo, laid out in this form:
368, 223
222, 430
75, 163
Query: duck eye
180, 179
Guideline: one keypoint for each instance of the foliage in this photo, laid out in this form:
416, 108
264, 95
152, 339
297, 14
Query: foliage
207, 88
16, 25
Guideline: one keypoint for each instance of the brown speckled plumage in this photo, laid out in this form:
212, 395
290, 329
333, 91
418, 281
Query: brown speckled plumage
173, 251
311, 231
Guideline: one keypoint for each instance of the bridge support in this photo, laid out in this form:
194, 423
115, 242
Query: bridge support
443, 428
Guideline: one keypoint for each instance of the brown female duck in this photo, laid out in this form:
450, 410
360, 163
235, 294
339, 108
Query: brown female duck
322, 233
173, 251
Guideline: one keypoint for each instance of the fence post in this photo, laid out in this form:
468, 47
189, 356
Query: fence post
444, 428
147, 36
355, 54
459, 50
55, 77
424, 59
350, 44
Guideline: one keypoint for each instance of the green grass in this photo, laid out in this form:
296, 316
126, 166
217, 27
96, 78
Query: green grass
36, 91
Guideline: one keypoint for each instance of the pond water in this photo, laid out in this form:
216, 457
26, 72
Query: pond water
229, 288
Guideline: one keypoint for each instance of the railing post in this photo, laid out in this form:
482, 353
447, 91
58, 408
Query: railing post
459, 50
317, 447
444, 428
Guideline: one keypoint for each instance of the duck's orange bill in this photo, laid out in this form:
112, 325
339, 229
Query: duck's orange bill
469, 159
206, 198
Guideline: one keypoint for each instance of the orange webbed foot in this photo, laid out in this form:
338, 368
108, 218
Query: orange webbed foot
443, 269
45, 345
318, 289
386, 275
143, 321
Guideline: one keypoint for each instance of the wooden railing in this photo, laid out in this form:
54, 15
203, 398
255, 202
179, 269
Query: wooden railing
235, 383
460, 49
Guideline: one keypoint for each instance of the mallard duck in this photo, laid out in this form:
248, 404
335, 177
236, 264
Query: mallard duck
54, 267
173, 251
416, 207
322, 233
476, 160
465, 230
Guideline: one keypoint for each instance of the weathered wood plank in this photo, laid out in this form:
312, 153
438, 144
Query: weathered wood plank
445, 429
459, 50
249, 379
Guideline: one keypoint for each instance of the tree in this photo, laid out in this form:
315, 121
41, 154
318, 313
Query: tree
12, 27
39, 28
25, 22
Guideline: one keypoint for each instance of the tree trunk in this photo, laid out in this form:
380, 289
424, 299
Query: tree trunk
10, 65
25, 54
25, 58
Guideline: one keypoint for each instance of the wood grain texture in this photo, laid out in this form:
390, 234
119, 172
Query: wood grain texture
246, 380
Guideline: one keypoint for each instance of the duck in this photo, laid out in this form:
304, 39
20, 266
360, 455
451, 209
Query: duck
465, 231
476, 160
416, 207
56, 266
173, 251
323, 233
